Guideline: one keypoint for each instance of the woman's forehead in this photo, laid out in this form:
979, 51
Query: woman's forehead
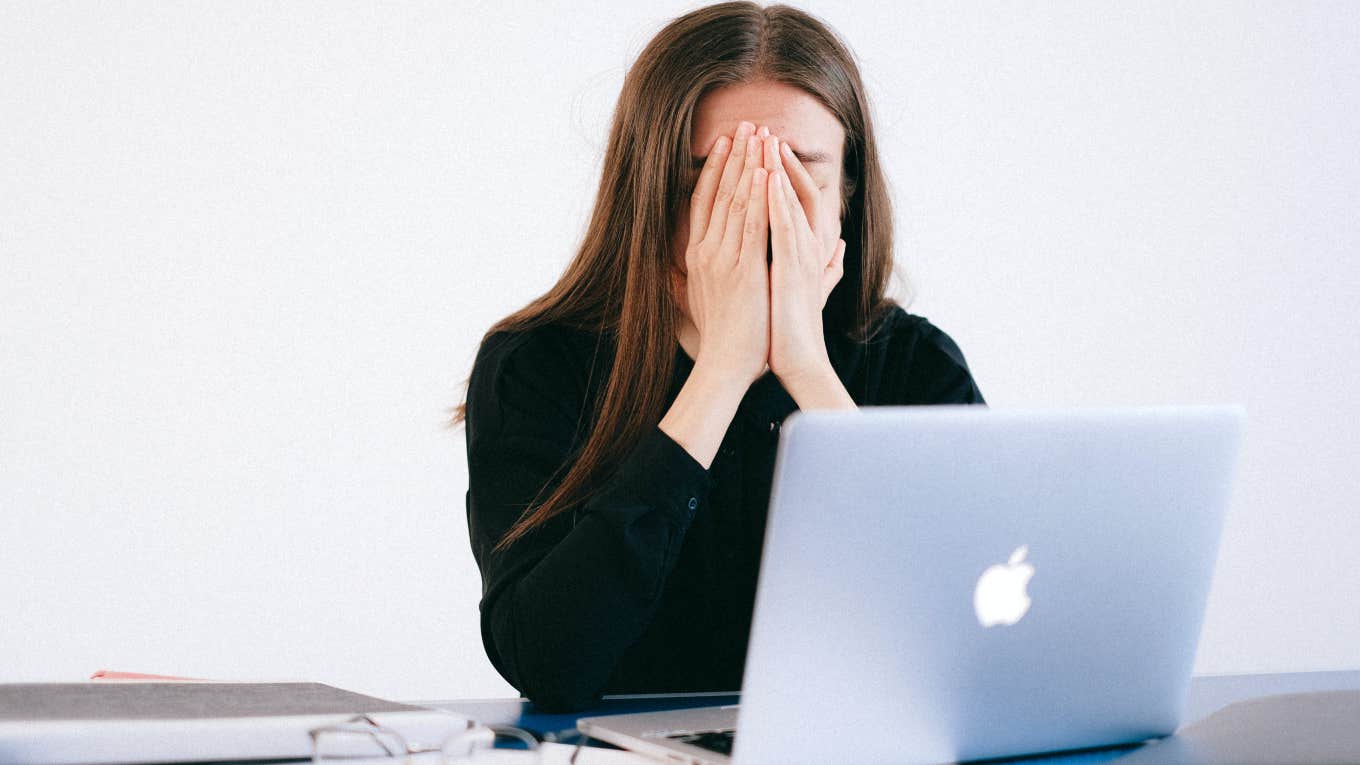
790, 113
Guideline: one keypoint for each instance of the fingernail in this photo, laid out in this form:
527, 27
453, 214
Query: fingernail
751, 145
774, 144
721, 145
787, 151
764, 130
744, 129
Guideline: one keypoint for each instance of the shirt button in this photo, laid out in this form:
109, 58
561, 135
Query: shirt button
774, 425
693, 503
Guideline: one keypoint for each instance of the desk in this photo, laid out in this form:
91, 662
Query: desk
1208, 694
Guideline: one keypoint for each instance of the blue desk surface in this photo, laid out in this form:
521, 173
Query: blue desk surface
1208, 694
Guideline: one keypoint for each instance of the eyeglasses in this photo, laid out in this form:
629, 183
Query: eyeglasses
356, 737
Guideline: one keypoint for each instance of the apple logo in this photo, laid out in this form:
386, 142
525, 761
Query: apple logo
1000, 597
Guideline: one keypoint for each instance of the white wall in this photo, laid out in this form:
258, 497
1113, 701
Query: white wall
247, 251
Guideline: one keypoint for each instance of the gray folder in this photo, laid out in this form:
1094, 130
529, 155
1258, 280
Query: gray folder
118, 700
109, 722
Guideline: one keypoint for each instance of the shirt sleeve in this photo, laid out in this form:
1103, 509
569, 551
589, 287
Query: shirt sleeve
931, 368
562, 604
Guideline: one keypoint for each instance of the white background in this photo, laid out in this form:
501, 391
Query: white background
247, 252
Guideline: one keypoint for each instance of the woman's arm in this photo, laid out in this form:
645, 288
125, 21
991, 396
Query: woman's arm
562, 605
702, 411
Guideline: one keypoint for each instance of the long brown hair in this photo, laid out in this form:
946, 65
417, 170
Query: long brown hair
619, 281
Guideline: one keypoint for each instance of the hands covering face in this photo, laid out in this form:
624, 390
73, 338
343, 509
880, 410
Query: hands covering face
753, 190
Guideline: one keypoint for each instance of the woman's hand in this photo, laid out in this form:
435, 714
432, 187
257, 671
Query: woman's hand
727, 281
803, 271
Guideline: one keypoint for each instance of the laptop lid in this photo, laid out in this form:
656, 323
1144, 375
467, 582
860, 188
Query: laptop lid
956, 582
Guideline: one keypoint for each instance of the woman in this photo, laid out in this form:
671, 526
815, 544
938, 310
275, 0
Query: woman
621, 429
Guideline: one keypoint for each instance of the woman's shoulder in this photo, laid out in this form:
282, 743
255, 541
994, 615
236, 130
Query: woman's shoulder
893, 327
552, 346
920, 362
543, 371
910, 331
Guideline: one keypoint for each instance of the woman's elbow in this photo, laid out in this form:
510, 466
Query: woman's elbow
554, 683
558, 692
551, 685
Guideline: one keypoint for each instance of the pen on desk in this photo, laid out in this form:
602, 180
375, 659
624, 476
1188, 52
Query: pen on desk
555, 735
561, 736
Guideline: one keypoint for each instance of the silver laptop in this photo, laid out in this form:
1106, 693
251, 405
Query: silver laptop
952, 583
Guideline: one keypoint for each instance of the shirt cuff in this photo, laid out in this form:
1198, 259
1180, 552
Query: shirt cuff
661, 474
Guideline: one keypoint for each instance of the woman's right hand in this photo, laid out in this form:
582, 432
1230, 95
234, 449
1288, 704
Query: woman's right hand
727, 280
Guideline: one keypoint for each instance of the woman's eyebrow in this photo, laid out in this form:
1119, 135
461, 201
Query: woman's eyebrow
811, 158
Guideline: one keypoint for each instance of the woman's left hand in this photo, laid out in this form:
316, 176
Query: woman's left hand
804, 268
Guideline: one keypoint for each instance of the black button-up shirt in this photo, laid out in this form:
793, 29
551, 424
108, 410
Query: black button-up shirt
649, 586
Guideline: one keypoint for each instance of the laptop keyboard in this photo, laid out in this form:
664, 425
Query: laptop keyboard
719, 741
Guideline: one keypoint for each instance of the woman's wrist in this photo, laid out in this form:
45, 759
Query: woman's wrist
703, 410
721, 377
819, 388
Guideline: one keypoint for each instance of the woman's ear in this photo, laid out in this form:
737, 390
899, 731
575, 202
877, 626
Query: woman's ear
676, 281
